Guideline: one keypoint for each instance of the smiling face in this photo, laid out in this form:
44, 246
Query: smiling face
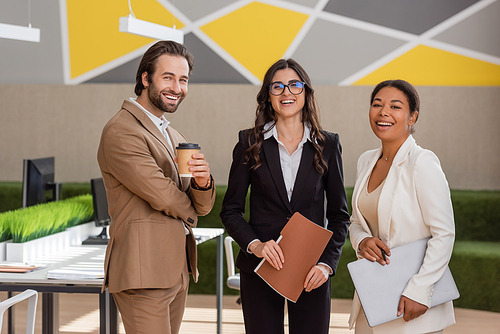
287, 105
167, 86
390, 117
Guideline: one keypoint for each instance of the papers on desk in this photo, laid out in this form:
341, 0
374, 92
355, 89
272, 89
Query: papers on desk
75, 274
302, 243
18, 267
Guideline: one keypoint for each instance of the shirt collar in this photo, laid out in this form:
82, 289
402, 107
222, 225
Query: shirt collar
161, 122
270, 131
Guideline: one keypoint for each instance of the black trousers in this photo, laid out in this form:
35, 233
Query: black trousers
264, 308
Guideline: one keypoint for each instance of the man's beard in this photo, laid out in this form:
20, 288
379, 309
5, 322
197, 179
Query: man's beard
155, 96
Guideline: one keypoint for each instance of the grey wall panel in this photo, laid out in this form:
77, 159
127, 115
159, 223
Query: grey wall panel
209, 67
408, 15
309, 3
196, 9
16, 12
331, 52
121, 74
479, 32
22, 62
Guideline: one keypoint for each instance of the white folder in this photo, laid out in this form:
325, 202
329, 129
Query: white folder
380, 287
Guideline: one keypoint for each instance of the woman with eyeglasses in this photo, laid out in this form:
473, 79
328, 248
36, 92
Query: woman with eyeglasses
291, 165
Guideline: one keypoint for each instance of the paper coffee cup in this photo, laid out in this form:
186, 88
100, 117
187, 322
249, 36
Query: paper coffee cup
185, 153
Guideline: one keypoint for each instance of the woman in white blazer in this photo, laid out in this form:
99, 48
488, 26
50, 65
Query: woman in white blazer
401, 195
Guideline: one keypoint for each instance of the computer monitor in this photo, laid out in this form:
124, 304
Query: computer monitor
101, 215
38, 182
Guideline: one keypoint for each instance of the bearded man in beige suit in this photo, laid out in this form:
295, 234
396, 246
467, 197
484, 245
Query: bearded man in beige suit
152, 248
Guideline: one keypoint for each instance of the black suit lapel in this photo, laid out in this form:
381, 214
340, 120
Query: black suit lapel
271, 151
305, 167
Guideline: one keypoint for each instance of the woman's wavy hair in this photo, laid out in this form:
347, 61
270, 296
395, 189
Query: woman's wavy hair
406, 88
265, 114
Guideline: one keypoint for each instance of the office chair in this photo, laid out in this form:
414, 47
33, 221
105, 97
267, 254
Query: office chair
233, 279
32, 297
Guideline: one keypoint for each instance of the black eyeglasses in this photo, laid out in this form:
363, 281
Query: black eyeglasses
277, 88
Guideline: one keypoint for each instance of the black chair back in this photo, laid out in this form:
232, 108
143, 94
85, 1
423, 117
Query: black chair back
100, 200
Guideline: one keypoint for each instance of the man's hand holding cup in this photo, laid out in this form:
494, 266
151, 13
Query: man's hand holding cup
192, 163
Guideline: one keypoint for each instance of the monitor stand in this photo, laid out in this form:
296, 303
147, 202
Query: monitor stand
101, 239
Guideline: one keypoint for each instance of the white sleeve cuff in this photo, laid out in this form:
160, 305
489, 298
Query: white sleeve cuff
248, 247
326, 271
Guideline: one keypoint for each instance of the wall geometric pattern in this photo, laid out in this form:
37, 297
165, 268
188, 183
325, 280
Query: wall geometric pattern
424, 65
94, 39
339, 42
256, 35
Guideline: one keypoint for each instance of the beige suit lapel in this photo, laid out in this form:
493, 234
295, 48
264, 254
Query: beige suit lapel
148, 124
389, 191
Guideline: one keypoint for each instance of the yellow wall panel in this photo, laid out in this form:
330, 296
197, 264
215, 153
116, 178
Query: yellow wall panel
256, 35
424, 65
94, 39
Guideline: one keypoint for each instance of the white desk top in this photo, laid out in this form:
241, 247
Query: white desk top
204, 234
79, 257
84, 256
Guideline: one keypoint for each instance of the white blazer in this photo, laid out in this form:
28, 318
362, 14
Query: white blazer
414, 203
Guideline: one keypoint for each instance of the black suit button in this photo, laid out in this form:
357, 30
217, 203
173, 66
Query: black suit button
288, 217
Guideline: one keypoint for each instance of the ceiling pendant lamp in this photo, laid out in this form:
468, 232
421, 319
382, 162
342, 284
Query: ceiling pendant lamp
20, 33
130, 24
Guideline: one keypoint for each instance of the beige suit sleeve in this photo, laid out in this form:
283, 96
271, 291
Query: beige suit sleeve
203, 200
127, 157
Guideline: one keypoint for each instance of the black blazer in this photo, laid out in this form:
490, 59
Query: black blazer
270, 208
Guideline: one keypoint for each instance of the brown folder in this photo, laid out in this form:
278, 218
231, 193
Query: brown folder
302, 243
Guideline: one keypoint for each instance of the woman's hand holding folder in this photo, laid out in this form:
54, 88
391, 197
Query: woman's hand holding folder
411, 308
270, 250
315, 278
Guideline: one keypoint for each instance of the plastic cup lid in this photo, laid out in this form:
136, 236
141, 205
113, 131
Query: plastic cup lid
188, 146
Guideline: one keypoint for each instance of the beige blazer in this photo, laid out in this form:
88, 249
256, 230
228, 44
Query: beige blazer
414, 203
148, 203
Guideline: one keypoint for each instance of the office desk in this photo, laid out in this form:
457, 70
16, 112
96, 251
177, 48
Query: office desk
89, 256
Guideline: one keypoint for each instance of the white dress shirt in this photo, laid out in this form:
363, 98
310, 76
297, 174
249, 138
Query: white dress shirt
289, 162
